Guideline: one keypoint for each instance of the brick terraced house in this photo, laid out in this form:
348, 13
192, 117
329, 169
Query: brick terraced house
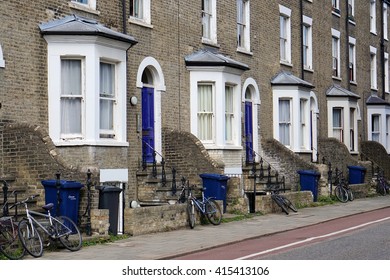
144, 93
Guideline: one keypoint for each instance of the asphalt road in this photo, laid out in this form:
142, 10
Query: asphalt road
369, 243
358, 237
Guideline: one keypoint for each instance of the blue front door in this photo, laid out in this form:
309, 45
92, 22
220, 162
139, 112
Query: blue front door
147, 124
249, 131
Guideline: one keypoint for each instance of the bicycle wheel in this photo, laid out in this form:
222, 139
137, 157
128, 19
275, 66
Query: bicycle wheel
279, 201
351, 197
30, 238
10, 244
213, 212
380, 188
341, 194
191, 213
289, 204
68, 233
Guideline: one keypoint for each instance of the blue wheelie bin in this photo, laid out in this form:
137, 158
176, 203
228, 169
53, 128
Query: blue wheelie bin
69, 197
215, 186
308, 180
356, 174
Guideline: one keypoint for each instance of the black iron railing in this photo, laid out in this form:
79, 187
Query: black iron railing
163, 166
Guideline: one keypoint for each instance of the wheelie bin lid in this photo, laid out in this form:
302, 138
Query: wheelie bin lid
105, 189
64, 184
214, 176
356, 167
309, 172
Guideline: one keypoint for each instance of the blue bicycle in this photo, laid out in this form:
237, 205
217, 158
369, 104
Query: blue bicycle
207, 207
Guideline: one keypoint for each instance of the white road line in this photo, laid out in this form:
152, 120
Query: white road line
311, 239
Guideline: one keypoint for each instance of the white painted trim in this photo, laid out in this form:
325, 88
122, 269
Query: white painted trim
2, 61
91, 50
295, 94
159, 87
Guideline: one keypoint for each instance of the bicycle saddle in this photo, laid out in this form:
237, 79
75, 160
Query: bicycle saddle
48, 206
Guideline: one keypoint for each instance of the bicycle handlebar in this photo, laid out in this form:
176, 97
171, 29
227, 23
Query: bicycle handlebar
24, 201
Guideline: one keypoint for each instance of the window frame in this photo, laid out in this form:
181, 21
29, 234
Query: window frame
375, 134
144, 19
91, 4
210, 38
351, 10
63, 97
285, 35
385, 21
308, 45
229, 114
386, 72
211, 113
336, 54
352, 59
373, 28
341, 124
2, 61
336, 7
243, 25
373, 68
108, 132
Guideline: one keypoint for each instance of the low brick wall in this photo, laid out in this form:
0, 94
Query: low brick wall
100, 221
360, 190
151, 219
265, 205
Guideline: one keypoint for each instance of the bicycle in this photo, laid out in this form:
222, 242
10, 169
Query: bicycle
381, 186
56, 228
207, 207
283, 202
10, 245
342, 191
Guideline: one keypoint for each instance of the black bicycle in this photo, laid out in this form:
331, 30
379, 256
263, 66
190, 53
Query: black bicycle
381, 186
283, 202
342, 191
10, 244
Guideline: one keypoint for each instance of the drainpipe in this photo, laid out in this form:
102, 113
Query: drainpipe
383, 52
124, 16
301, 24
347, 48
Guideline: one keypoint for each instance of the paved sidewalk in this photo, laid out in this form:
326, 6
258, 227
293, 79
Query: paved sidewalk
169, 244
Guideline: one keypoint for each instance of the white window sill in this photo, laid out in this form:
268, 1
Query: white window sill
222, 147
83, 8
210, 42
140, 22
72, 143
308, 69
286, 63
336, 14
244, 51
336, 78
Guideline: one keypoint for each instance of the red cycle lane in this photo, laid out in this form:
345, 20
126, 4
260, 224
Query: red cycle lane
291, 239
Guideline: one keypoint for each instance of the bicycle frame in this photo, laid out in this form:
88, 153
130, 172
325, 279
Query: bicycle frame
48, 217
200, 204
